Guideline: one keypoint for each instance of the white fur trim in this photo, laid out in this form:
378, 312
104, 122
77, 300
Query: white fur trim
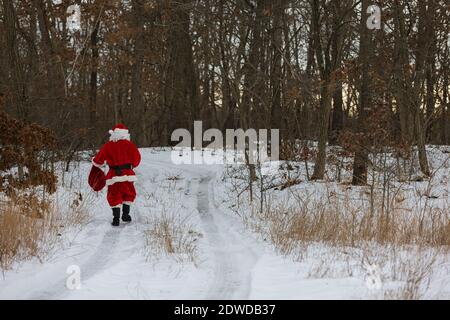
121, 179
119, 134
128, 203
118, 206
95, 164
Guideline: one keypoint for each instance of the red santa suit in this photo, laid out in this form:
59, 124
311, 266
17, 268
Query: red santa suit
122, 156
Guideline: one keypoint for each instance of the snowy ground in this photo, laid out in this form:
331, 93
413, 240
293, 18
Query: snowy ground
231, 262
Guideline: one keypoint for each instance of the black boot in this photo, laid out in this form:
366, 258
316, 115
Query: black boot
126, 213
116, 215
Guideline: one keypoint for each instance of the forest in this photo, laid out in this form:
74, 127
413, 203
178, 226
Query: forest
358, 89
313, 69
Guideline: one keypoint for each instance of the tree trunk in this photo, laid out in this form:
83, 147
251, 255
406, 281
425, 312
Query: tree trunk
337, 121
250, 99
324, 120
181, 92
430, 73
445, 107
327, 68
401, 65
138, 107
55, 78
365, 57
422, 53
276, 74
18, 97
93, 78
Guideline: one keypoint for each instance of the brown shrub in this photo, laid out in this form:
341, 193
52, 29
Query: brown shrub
25, 145
22, 234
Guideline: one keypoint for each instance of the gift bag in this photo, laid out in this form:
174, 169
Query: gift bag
97, 179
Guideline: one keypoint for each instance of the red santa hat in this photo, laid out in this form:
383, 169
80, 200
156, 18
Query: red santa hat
119, 132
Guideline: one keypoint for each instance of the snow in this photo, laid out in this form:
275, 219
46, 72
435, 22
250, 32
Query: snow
231, 261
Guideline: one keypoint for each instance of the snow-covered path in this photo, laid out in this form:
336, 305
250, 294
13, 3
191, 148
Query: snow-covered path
233, 255
234, 259
112, 261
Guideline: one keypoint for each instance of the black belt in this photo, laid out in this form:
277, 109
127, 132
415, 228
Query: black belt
118, 169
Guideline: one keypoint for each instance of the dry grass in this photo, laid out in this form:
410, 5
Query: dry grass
402, 228
340, 236
172, 235
337, 222
415, 271
25, 232
389, 272
76, 210
30, 227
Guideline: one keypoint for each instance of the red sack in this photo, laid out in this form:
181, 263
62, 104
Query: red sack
97, 178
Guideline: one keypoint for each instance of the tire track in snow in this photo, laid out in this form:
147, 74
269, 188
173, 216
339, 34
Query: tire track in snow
233, 257
234, 260
100, 260
97, 261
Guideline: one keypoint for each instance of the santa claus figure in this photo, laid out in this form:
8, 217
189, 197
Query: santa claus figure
122, 156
